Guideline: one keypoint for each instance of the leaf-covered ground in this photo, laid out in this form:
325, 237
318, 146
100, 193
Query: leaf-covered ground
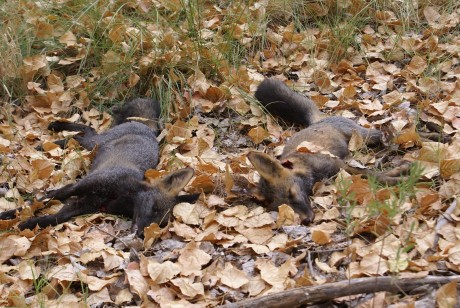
394, 67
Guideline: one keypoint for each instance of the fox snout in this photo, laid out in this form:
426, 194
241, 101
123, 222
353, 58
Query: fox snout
299, 200
306, 213
155, 204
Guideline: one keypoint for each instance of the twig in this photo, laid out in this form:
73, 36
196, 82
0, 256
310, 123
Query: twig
302, 296
310, 263
435, 136
132, 250
108, 233
442, 220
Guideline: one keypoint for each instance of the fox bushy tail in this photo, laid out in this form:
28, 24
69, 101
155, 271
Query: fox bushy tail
287, 104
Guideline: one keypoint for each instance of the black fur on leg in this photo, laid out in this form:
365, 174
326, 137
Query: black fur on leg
10, 214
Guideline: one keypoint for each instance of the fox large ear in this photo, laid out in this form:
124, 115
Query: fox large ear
174, 182
268, 168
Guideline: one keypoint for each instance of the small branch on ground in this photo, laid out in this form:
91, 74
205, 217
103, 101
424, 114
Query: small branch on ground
443, 219
313, 294
133, 252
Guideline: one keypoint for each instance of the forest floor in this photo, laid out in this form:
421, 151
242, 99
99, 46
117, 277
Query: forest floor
391, 65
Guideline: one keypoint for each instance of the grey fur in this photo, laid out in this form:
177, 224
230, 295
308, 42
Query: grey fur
290, 180
115, 184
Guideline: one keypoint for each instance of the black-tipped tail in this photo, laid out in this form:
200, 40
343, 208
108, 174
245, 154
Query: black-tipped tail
287, 104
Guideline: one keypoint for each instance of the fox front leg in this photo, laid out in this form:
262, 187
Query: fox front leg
75, 207
61, 193
91, 184
391, 177
108, 184
397, 174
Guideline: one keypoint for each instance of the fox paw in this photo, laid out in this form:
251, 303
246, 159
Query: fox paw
30, 224
55, 126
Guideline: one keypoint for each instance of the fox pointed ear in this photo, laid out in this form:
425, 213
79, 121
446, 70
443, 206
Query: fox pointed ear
174, 182
268, 168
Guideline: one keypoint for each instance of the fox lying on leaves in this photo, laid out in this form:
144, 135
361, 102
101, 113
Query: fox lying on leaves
290, 179
115, 182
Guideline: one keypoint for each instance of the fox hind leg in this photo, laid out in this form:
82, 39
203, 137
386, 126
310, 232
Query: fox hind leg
10, 214
73, 127
86, 140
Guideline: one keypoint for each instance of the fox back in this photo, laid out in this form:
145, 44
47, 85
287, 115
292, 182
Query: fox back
290, 179
124, 152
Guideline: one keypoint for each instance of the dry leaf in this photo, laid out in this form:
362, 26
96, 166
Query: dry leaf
258, 134
417, 65
447, 295
233, 277
162, 272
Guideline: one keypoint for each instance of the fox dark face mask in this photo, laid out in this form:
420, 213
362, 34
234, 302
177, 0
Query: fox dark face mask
280, 185
155, 205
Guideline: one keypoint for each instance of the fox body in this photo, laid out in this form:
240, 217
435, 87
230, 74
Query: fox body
115, 182
290, 179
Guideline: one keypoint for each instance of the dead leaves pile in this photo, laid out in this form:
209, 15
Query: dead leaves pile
225, 247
